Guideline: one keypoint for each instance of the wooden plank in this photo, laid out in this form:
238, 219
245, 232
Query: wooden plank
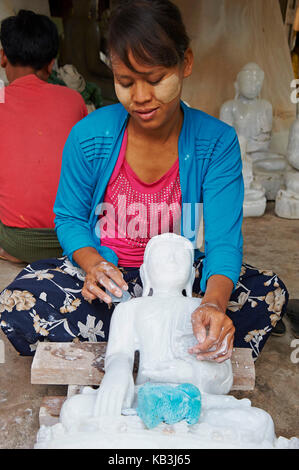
50, 410
243, 369
68, 363
83, 364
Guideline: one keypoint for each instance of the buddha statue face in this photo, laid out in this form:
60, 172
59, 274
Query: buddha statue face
168, 264
250, 81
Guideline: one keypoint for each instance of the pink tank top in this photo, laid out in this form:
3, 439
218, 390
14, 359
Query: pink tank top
134, 211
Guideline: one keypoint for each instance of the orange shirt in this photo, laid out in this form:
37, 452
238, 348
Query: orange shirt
35, 121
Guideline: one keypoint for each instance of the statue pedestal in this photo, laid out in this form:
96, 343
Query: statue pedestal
287, 200
224, 423
269, 171
254, 201
254, 198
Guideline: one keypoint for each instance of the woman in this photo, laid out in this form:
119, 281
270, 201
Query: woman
149, 150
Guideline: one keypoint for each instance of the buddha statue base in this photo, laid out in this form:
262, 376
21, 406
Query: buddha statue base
269, 172
255, 201
224, 423
254, 197
287, 200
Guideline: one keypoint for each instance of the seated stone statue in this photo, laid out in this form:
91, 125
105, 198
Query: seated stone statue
293, 145
250, 115
287, 199
252, 118
159, 326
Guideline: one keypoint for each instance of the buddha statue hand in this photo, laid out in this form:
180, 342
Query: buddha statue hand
117, 387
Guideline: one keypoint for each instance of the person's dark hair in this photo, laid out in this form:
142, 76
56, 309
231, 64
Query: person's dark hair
29, 39
153, 30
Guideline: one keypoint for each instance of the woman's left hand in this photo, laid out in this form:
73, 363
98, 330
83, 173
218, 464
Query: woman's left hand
214, 331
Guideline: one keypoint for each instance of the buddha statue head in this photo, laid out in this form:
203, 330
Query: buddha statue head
168, 265
250, 81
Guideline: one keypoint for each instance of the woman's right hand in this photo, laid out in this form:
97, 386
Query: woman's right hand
100, 276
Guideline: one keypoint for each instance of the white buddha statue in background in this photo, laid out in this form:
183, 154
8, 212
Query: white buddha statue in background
287, 199
293, 145
250, 115
159, 327
252, 118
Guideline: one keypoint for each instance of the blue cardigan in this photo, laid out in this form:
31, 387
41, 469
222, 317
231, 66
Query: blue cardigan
210, 173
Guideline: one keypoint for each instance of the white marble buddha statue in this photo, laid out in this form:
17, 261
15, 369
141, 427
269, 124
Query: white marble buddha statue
252, 118
293, 145
287, 199
250, 115
159, 326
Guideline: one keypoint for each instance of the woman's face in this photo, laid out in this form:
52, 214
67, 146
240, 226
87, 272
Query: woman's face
151, 95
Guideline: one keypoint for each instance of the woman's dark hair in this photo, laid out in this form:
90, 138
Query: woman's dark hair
153, 30
29, 39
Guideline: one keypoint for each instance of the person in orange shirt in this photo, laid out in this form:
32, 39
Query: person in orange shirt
36, 118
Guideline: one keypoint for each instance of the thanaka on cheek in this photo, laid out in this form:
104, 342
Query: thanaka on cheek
124, 95
168, 89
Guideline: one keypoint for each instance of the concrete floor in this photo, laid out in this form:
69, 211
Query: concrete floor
269, 242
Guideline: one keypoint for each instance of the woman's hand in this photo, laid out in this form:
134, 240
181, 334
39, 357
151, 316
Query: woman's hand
107, 275
214, 331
